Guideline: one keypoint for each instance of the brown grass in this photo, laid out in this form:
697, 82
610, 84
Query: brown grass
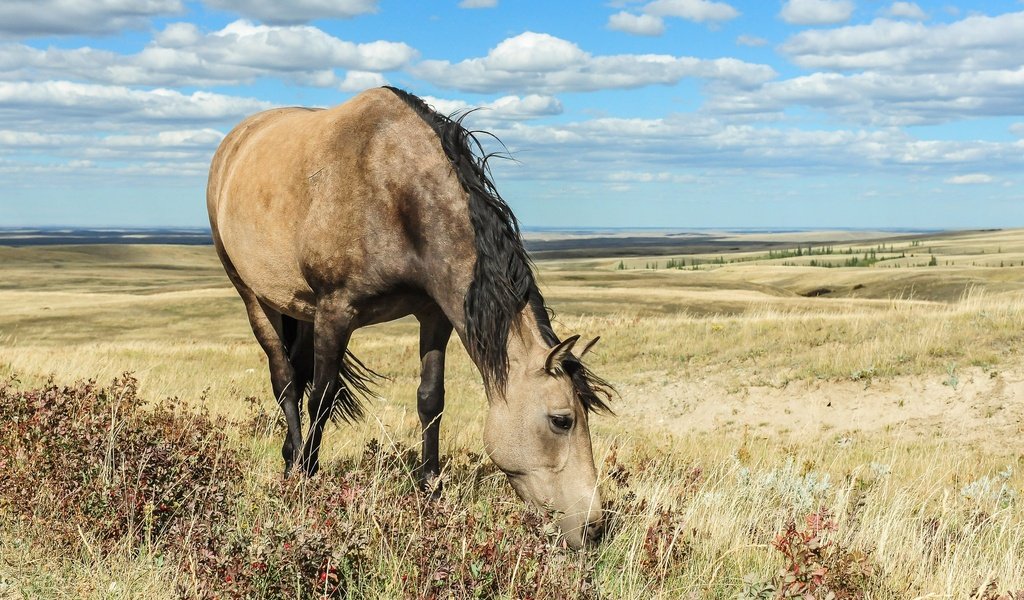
723, 439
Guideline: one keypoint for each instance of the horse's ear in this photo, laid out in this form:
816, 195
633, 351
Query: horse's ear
589, 345
559, 353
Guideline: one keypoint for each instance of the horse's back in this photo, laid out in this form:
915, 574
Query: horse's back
304, 201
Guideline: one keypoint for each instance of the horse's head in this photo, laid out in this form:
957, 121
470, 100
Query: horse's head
538, 434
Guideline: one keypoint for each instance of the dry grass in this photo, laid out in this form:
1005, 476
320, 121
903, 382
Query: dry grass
936, 513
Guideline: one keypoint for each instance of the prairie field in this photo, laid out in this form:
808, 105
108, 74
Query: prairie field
841, 419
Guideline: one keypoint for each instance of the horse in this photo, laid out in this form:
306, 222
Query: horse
328, 220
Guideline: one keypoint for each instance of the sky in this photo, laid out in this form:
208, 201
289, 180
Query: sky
651, 113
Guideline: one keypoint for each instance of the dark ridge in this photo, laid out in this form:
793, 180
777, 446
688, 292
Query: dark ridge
816, 292
503, 281
23, 237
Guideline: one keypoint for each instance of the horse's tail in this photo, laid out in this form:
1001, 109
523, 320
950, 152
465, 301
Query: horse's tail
354, 378
354, 381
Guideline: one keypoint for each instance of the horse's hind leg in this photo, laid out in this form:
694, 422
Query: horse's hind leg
332, 328
298, 341
435, 330
267, 326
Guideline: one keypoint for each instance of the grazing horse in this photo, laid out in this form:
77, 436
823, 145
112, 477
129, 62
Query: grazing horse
331, 220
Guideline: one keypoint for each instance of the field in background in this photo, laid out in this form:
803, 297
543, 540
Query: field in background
877, 380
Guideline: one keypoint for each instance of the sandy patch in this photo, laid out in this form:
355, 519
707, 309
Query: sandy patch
983, 409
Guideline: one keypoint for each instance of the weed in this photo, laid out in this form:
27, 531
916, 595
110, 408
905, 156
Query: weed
815, 566
85, 457
951, 377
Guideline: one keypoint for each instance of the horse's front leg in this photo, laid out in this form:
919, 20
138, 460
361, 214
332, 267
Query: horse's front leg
435, 330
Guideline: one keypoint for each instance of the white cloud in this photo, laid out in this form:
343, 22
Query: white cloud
176, 153
279, 48
293, 12
900, 72
478, 3
906, 10
970, 179
23, 140
652, 23
636, 24
76, 172
975, 43
531, 51
184, 138
751, 40
28, 18
526, 107
541, 63
181, 54
357, 81
649, 177
506, 108
816, 12
692, 10
675, 148
887, 99
49, 105
1017, 129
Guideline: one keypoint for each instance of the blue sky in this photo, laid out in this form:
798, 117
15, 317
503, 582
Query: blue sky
654, 113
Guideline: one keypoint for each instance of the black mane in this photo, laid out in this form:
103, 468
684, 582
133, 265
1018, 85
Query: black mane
503, 282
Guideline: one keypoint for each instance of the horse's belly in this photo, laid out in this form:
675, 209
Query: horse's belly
284, 291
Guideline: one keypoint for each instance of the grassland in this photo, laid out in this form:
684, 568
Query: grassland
756, 390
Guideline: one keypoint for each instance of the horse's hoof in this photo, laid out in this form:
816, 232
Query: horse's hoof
432, 487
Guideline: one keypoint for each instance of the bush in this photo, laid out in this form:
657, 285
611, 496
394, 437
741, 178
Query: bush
91, 459
91, 468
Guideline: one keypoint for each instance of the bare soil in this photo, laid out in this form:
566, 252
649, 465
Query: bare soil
981, 409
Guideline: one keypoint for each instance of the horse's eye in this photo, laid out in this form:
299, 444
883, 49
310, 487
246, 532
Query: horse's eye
561, 423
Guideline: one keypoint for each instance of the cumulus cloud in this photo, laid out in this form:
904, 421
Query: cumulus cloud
357, 81
887, 99
816, 12
506, 108
73, 130
974, 43
43, 106
281, 48
906, 10
29, 18
296, 11
183, 138
692, 10
653, 150
652, 23
535, 52
970, 179
1017, 129
897, 72
182, 54
31, 140
526, 107
636, 24
541, 63
478, 3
